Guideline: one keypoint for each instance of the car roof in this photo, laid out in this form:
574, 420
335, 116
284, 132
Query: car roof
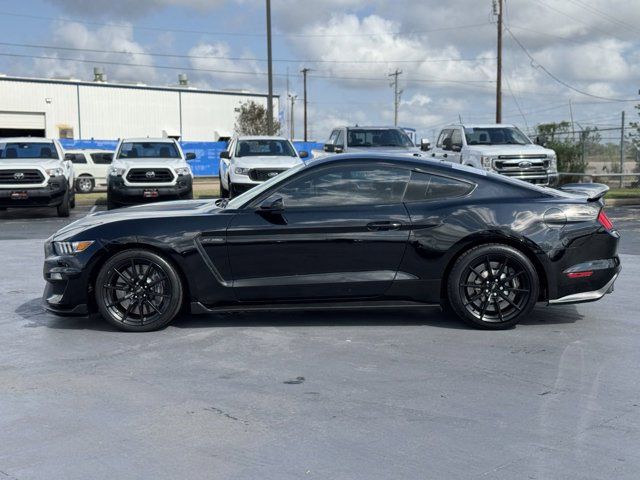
372, 127
25, 140
260, 137
148, 139
481, 125
87, 150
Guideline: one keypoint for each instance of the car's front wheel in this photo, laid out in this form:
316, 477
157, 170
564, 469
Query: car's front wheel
224, 192
493, 286
138, 291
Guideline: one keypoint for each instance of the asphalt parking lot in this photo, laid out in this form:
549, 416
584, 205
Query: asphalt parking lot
364, 395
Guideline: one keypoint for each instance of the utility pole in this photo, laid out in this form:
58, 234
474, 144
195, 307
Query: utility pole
497, 10
292, 125
270, 73
622, 148
396, 95
304, 81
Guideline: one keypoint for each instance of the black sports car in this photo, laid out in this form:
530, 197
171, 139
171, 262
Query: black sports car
346, 231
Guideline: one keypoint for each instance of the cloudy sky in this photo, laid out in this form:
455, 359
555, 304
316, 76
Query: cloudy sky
445, 50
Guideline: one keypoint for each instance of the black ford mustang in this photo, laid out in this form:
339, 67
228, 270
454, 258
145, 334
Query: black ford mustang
347, 231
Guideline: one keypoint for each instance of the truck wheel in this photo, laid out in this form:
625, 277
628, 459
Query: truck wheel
224, 192
72, 203
111, 205
85, 184
64, 207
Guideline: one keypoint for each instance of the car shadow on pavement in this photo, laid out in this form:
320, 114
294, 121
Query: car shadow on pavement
37, 316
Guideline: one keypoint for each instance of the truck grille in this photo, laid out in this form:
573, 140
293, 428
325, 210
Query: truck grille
518, 164
150, 175
262, 174
20, 177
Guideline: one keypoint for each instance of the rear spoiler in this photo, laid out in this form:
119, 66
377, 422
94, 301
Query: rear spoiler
593, 191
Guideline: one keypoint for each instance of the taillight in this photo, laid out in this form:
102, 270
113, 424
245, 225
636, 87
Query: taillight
586, 274
604, 220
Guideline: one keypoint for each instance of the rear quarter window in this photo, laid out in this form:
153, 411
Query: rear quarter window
426, 186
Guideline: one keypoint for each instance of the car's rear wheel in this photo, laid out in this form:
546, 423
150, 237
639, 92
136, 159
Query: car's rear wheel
138, 291
85, 184
493, 286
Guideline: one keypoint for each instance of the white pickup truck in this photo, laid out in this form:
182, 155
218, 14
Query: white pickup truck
34, 173
499, 148
147, 170
390, 140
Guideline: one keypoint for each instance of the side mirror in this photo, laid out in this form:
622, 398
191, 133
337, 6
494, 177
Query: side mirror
272, 206
425, 144
456, 147
338, 149
540, 140
303, 154
225, 154
190, 156
329, 147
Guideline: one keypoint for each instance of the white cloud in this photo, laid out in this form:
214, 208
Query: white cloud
127, 8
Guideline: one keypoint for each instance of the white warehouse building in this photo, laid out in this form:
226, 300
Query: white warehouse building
82, 110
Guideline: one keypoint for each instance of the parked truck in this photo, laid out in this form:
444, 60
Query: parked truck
356, 139
500, 148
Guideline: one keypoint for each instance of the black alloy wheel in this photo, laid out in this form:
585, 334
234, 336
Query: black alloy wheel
138, 290
493, 286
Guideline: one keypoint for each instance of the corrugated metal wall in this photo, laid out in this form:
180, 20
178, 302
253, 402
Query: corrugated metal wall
111, 112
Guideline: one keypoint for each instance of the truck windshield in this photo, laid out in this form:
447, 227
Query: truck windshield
27, 150
495, 136
264, 148
148, 150
378, 137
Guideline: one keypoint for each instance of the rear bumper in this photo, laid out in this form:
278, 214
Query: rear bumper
48, 196
590, 296
590, 288
118, 192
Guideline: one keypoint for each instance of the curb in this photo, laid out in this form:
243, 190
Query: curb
620, 202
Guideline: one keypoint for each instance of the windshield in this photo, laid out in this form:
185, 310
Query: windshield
495, 136
28, 150
241, 200
378, 137
264, 148
148, 150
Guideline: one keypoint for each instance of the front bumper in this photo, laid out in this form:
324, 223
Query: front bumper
50, 195
120, 193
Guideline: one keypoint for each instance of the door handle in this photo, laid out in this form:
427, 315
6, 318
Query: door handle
382, 226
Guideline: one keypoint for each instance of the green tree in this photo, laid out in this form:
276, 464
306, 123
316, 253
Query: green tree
252, 120
560, 138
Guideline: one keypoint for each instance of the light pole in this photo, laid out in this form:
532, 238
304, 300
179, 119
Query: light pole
292, 125
269, 73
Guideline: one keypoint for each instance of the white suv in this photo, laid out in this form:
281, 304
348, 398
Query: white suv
249, 161
91, 166
149, 169
34, 173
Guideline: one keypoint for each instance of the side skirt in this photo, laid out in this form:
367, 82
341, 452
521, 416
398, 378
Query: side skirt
198, 308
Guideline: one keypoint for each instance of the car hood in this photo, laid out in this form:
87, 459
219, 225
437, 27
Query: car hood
29, 162
266, 162
494, 150
153, 210
149, 163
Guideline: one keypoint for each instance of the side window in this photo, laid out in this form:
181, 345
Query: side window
77, 158
346, 185
340, 139
102, 158
444, 139
456, 138
424, 186
333, 137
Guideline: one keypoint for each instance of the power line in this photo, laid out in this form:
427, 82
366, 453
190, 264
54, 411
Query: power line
536, 64
236, 34
605, 15
253, 59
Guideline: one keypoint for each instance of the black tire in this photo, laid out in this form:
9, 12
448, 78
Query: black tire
85, 184
64, 209
138, 291
231, 192
3, 209
72, 202
188, 196
111, 205
492, 286
224, 193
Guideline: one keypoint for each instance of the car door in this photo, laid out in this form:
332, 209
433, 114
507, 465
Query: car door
442, 149
341, 234
454, 155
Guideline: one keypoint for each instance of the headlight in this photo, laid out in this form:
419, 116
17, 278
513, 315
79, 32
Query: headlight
55, 172
116, 172
241, 171
183, 171
486, 162
71, 248
553, 163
